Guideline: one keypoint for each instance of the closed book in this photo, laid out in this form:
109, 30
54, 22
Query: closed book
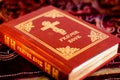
60, 44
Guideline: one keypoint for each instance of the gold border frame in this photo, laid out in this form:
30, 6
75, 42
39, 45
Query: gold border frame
54, 49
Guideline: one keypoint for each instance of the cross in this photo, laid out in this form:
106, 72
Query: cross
49, 25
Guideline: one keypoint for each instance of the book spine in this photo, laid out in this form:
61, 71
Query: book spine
31, 56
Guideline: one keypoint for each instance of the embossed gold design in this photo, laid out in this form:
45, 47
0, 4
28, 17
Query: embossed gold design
67, 51
94, 40
96, 36
53, 14
48, 24
27, 26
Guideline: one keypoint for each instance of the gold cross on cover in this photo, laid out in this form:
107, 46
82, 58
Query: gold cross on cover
49, 25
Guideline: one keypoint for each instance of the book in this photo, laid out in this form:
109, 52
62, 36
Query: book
60, 44
25, 71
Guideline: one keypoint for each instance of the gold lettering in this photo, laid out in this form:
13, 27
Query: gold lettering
12, 44
74, 33
55, 73
22, 50
19, 48
74, 39
68, 36
27, 54
6, 40
51, 70
47, 68
26, 51
37, 61
64, 38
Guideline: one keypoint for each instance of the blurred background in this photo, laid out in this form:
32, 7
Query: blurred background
104, 14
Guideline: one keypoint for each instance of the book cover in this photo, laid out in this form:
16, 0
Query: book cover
62, 45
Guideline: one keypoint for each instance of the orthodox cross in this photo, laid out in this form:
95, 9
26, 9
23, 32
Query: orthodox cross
49, 25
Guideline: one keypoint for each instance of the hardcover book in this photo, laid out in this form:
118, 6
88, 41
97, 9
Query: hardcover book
60, 44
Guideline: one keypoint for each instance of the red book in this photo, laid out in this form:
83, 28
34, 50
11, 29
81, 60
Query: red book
62, 45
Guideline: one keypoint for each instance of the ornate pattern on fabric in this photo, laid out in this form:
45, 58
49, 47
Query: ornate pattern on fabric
105, 14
